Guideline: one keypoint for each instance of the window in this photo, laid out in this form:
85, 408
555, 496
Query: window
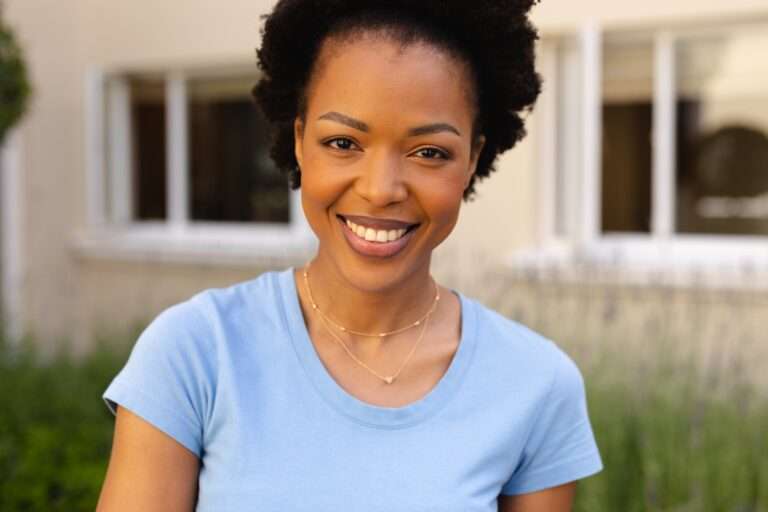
232, 177
148, 165
722, 97
661, 143
627, 119
184, 156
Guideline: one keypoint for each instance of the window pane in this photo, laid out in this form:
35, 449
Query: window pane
722, 174
148, 122
232, 177
627, 131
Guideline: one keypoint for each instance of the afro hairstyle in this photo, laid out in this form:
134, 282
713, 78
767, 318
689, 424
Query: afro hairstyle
495, 37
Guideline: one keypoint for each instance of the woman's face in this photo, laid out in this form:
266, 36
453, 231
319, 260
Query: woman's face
385, 153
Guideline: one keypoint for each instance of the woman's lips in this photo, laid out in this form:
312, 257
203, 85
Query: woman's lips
375, 249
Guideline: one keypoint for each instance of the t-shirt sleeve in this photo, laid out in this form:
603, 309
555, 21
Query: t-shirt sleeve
561, 446
168, 378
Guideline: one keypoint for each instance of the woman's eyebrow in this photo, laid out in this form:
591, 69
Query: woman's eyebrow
433, 128
427, 129
346, 120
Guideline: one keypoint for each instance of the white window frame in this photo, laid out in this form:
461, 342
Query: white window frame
663, 248
12, 241
111, 231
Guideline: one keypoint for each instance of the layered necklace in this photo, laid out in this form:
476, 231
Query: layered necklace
328, 322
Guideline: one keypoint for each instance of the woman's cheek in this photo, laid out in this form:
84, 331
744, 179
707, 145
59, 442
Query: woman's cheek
444, 203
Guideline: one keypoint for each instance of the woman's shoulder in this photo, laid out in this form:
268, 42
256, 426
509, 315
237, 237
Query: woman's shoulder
261, 286
492, 322
512, 342
215, 309
180, 354
265, 288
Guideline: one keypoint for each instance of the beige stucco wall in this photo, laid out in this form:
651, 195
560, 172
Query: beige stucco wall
51, 151
116, 295
556, 15
66, 294
145, 32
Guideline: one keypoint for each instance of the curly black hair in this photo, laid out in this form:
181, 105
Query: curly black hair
495, 37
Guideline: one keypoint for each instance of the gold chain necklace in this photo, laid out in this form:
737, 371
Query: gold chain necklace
388, 379
366, 334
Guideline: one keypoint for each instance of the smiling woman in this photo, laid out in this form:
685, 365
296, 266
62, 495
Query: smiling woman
358, 382
387, 141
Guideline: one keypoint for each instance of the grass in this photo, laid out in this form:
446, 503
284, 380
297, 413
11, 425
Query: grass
675, 438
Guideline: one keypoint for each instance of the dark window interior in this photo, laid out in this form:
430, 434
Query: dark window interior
232, 177
627, 164
149, 150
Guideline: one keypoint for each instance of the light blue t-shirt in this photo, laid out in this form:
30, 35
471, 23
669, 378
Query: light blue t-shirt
233, 376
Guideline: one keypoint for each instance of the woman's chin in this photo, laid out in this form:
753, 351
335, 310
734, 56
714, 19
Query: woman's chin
377, 277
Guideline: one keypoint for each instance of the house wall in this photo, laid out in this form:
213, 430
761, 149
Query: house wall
110, 288
69, 292
65, 294
619, 329
52, 181
559, 15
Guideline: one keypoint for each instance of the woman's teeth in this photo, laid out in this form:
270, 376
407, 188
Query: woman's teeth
375, 235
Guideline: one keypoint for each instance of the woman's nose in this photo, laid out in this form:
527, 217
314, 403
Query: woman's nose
381, 180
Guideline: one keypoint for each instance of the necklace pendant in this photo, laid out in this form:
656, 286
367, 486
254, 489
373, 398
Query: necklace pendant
389, 379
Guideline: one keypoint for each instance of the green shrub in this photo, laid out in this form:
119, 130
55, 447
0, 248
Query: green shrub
55, 431
14, 85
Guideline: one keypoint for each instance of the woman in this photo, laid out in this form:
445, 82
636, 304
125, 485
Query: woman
357, 382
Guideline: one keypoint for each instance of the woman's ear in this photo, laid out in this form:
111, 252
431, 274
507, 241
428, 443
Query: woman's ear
298, 138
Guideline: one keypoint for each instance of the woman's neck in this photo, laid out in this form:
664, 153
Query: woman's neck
370, 307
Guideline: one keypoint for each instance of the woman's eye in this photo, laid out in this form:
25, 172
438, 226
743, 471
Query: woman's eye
432, 153
341, 143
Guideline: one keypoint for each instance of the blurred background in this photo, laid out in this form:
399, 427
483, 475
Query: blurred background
631, 226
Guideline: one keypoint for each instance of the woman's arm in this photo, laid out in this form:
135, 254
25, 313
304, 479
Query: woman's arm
554, 499
148, 471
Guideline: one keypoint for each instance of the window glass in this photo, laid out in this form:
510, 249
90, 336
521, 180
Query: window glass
722, 171
232, 178
627, 117
147, 98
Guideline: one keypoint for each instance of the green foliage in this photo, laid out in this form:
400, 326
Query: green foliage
675, 441
671, 440
55, 431
14, 85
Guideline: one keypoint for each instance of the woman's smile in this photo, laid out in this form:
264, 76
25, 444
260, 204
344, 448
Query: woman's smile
381, 238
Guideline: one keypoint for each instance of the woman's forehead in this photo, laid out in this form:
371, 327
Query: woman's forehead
381, 69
